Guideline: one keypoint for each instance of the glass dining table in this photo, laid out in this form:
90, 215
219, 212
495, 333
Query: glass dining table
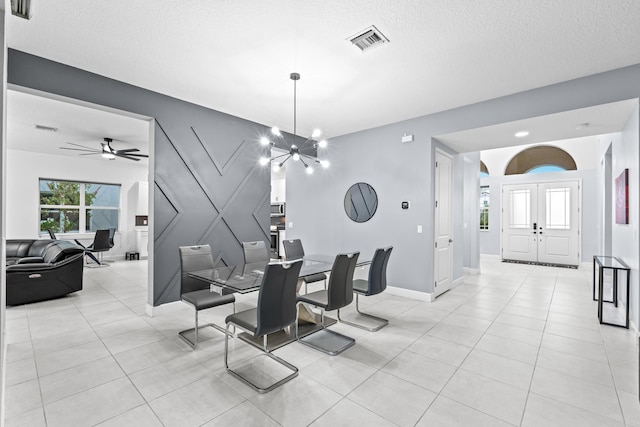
245, 278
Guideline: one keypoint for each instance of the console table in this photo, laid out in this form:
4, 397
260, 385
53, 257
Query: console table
601, 263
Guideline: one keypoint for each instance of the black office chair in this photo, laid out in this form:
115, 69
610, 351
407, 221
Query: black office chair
338, 294
196, 292
112, 233
276, 310
293, 250
255, 252
376, 284
100, 245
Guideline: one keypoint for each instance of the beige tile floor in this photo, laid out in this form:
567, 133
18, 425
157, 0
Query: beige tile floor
517, 345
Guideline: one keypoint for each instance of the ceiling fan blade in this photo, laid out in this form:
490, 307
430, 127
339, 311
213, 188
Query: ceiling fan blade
79, 149
129, 158
128, 150
90, 154
132, 155
79, 145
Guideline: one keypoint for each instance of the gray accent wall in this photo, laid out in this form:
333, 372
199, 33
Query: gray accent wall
404, 171
207, 184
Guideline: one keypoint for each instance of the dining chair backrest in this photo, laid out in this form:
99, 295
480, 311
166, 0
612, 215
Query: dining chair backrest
101, 241
52, 235
340, 288
293, 249
255, 252
194, 258
112, 234
277, 297
378, 271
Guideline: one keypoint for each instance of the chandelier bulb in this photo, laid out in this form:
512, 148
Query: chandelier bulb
323, 143
276, 131
296, 157
324, 163
264, 141
316, 133
264, 161
309, 169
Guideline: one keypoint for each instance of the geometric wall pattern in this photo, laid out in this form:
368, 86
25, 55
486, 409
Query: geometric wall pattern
209, 188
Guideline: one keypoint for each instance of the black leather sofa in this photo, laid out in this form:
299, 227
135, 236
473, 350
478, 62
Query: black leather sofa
39, 270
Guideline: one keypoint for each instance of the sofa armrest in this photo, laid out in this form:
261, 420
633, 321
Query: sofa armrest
30, 260
43, 266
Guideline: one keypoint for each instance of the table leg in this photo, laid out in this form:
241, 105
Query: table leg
304, 313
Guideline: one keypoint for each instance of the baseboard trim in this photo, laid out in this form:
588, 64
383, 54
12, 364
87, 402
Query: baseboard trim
162, 309
457, 282
471, 271
491, 256
408, 293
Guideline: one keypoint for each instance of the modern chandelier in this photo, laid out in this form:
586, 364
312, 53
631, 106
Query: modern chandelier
295, 151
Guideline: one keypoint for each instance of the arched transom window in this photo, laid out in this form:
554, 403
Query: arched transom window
542, 158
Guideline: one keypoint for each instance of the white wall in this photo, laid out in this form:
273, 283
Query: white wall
625, 154
24, 170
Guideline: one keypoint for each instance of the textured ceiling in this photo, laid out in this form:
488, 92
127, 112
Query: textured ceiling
236, 56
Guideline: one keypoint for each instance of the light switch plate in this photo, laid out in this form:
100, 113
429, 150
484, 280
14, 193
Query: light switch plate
419, 229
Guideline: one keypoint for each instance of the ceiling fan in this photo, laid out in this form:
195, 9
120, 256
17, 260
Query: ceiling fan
106, 151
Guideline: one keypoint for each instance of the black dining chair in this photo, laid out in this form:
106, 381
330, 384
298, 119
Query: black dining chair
376, 284
293, 250
275, 311
339, 293
99, 245
197, 293
255, 252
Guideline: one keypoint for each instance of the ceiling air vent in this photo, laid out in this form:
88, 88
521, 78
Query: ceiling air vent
21, 8
46, 128
368, 38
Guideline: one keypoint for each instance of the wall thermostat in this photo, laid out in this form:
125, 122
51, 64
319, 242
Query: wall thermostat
405, 205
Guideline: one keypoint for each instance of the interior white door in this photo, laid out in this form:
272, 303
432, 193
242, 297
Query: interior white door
541, 222
443, 265
519, 222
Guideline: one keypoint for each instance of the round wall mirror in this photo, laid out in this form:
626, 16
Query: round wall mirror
360, 202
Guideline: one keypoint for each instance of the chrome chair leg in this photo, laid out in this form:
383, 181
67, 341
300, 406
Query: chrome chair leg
293, 369
381, 322
194, 344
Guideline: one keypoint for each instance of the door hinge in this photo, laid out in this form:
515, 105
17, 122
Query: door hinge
436, 164
436, 244
436, 203
435, 284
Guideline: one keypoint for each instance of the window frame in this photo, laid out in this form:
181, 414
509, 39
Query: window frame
482, 208
82, 207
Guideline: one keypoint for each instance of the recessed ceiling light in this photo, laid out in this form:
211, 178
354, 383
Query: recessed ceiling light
522, 134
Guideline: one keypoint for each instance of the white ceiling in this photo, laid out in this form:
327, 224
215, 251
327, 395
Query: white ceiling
75, 123
597, 120
236, 56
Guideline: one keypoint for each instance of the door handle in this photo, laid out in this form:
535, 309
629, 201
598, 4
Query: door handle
450, 240
535, 225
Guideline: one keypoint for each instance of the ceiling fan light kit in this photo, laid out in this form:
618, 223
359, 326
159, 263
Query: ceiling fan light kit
294, 152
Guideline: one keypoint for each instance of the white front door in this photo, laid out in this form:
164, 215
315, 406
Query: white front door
541, 222
443, 265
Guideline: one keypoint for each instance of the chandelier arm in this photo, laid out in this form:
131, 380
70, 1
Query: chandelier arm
302, 160
277, 157
311, 158
284, 161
